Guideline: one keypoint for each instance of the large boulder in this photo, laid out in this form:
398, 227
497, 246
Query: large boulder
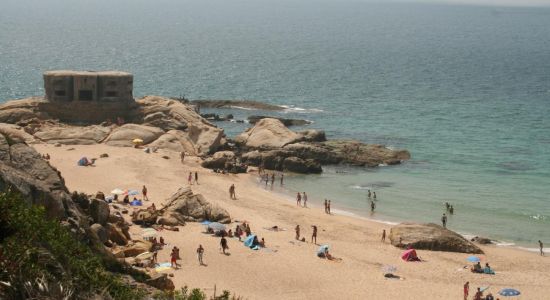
16, 133
267, 134
72, 135
169, 114
100, 232
161, 282
186, 206
312, 135
123, 135
430, 237
360, 154
145, 216
18, 110
23, 169
136, 248
116, 235
175, 140
219, 160
272, 159
313, 151
99, 211
298, 165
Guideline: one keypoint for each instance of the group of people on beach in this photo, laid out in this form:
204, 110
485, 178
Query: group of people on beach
299, 199
303, 239
190, 178
269, 178
478, 295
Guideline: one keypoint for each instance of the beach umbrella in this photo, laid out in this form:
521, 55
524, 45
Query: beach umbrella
216, 226
137, 141
117, 191
133, 192
509, 292
145, 255
322, 249
473, 259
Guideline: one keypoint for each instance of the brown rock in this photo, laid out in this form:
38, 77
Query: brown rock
145, 217
72, 135
430, 237
100, 232
218, 160
161, 282
298, 165
99, 211
136, 248
186, 206
116, 235
267, 134
125, 134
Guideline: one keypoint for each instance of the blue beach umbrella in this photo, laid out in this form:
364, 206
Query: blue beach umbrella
473, 259
205, 222
509, 292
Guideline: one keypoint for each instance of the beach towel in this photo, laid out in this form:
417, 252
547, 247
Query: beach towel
163, 267
135, 203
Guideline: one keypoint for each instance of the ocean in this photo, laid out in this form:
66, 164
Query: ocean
466, 89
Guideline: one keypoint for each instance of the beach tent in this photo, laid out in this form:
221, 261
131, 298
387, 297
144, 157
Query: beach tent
249, 241
83, 161
135, 203
409, 255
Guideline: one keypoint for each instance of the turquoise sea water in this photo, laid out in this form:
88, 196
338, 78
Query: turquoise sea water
466, 89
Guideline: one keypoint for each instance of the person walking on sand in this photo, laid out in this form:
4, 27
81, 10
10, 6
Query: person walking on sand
369, 194
200, 252
282, 178
297, 229
182, 156
466, 290
314, 235
541, 246
372, 206
196, 177
232, 192
298, 199
444, 220
328, 207
190, 178
383, 235
223, 244
144, 192
305, 199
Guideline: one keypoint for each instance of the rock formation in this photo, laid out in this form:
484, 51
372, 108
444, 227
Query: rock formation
287, 122
430, 237
184, 206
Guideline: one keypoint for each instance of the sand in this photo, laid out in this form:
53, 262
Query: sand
289, 269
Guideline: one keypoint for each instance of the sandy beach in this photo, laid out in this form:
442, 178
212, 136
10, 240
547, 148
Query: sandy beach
288, 269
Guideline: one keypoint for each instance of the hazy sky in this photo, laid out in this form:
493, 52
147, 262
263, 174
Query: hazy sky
490, 2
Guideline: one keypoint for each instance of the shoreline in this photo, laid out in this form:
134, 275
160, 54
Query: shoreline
288, 269
287, 194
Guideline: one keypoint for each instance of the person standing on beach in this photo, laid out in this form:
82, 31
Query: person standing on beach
374, 196
144, 193
314, 234
196, 177
200, 252
541, 246
272, 178
223, 244
182, 156
297, 229
232, 192
328, 207
305, 199
282, 178
444, 220
383, 235
298, 199
369, 194
466, 290
372, 206
190, 178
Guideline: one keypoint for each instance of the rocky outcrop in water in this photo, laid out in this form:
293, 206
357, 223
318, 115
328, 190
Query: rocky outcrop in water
430, 237
287, 122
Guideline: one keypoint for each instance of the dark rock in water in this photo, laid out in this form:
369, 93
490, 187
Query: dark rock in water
430, 237
360, 154
298, 165
287, 122
481, 240
236, 104
227, 117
